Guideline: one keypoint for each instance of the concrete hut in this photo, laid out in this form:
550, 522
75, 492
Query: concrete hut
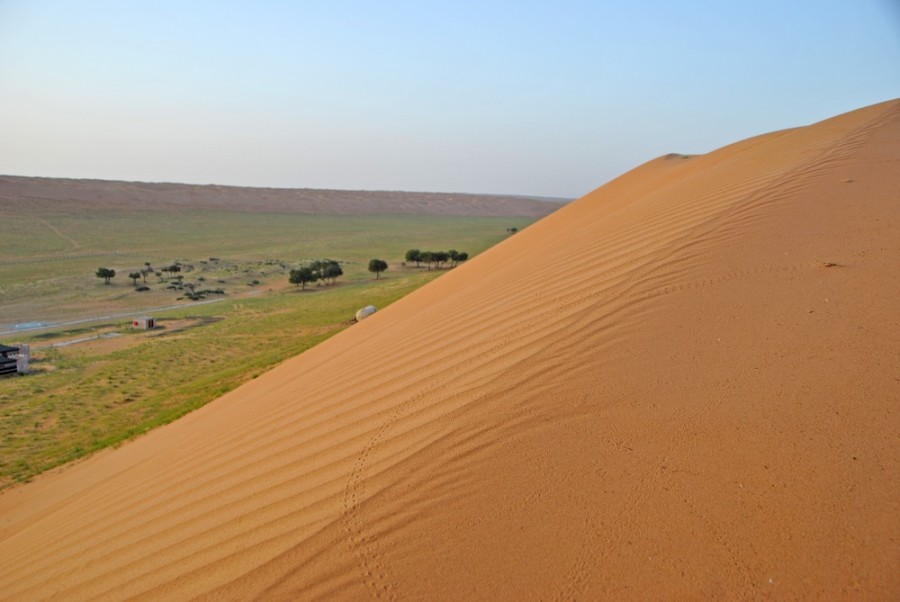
144, 323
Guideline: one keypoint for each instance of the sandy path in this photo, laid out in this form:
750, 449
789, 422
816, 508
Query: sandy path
659, 391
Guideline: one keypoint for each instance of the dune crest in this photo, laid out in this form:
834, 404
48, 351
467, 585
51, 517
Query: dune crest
682, 385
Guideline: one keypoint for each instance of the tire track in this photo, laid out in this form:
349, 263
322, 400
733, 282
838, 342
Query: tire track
74, 244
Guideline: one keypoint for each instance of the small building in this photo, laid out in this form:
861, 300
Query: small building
14, 360
145, 323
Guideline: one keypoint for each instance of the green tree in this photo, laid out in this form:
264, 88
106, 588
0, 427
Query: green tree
318, 269
426, 257
414, 255
326, 270
171, 269
333, 271
457, 257
302, 276
377, 266
440, 257
106, 274
134, 276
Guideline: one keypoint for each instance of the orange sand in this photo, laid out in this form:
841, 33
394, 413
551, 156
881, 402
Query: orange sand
662, 391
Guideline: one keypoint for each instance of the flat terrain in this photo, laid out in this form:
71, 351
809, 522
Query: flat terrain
682, 386
47, 262
62, 195
54, 231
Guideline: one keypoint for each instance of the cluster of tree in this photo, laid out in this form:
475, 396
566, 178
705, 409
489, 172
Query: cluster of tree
175, 279
171, 269
147, 270
437, 259
108, 273
326, 270
142, 273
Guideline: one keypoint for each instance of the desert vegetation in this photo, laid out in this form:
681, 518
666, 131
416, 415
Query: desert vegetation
436, 259
302, 276
322, 271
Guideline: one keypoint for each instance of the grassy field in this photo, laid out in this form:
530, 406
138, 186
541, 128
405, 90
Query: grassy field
87, 395
47, 263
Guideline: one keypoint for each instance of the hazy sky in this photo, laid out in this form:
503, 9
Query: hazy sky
543, 98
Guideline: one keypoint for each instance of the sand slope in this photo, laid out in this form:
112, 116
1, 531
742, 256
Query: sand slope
664, 390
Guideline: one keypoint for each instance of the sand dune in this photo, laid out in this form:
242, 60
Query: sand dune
684, 385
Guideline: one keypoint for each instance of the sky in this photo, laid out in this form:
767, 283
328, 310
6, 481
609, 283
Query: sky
506, 97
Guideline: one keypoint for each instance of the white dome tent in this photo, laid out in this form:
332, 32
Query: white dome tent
365, 312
